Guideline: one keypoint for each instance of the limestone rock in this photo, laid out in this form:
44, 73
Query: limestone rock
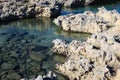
16, 9
75, 68
59, 47
95, 59
88, 21
117, 77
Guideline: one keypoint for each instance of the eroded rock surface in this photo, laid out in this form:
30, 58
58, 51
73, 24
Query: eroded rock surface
14, 9
98, 58
88, 21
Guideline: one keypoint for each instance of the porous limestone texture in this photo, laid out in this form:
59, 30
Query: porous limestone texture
117, 77
95, 59
88, 21
98, 58
15, 9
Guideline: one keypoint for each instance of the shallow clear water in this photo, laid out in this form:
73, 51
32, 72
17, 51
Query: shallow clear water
25, 45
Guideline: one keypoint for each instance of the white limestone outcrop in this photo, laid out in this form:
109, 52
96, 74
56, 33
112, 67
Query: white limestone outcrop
17, 9
95, 59
88, 21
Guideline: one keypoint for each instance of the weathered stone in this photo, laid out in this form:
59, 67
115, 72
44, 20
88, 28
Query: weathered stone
117, 77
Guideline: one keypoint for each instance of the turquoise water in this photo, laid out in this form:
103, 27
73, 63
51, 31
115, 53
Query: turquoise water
25, 45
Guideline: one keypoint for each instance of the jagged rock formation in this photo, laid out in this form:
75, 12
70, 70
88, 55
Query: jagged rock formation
88, 21
98, 58
14, 9
95, 59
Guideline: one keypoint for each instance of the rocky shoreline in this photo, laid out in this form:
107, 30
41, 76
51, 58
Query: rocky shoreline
19, 9
98, 58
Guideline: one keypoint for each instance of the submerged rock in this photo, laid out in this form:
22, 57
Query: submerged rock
37, 57
7, 66
13, 76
